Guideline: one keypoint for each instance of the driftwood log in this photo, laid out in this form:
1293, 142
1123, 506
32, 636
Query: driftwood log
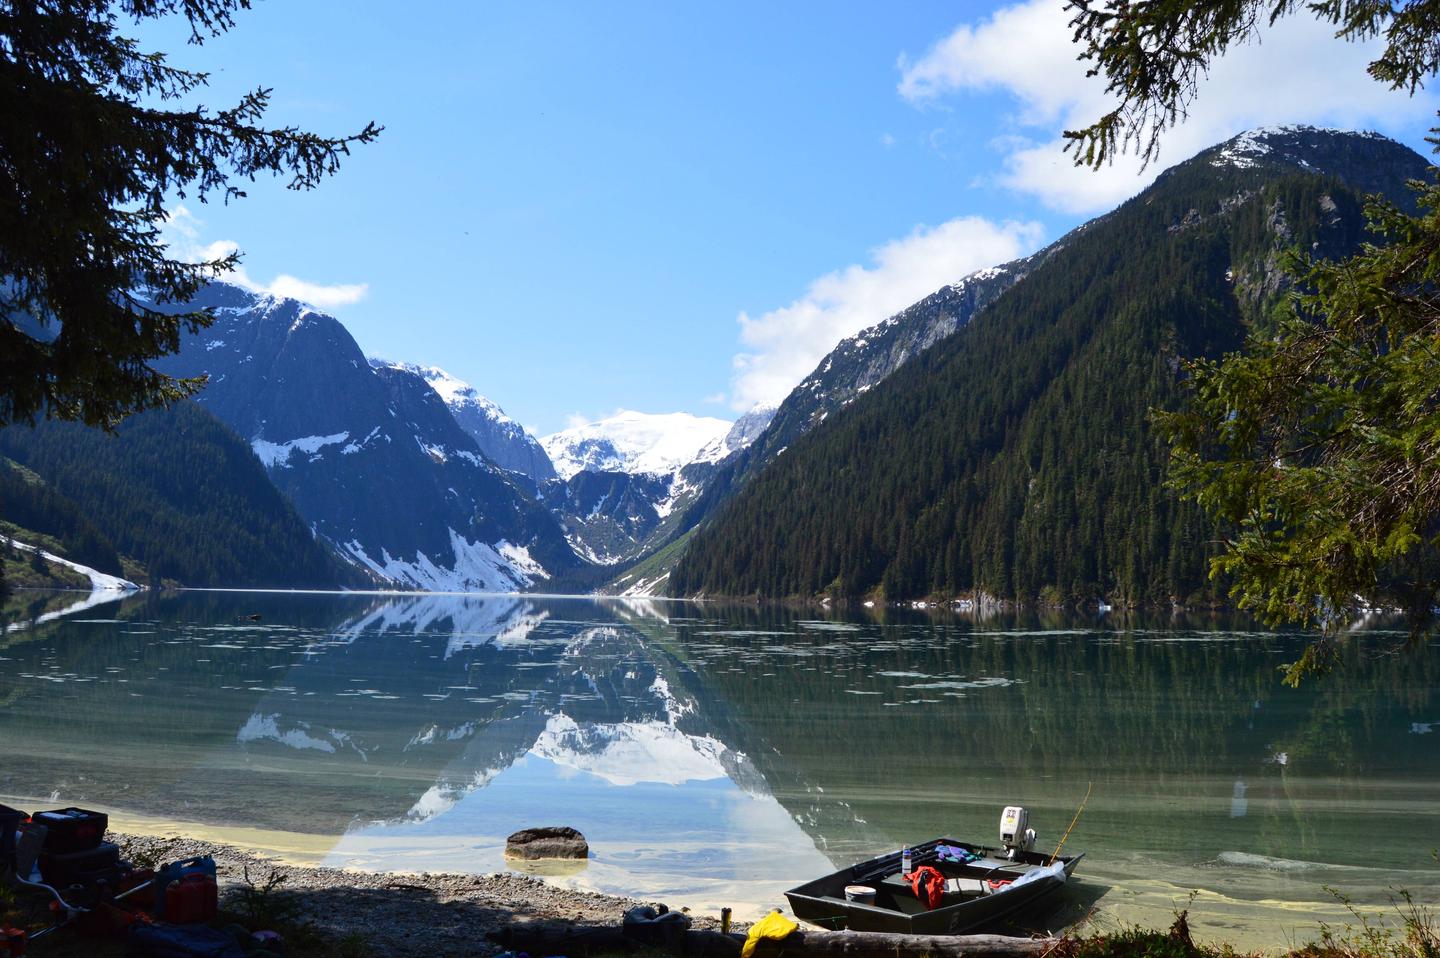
563, 938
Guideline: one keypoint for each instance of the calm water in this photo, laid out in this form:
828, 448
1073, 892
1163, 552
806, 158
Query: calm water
716, 756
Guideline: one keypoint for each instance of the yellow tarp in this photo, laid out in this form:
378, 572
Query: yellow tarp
773, 925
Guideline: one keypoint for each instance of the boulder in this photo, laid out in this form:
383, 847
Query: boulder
553, 842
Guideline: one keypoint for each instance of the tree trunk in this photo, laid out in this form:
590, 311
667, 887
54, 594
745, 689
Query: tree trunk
562, 938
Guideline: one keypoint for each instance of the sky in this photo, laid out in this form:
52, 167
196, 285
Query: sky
582, 207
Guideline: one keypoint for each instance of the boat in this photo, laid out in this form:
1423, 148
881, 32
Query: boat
983, 886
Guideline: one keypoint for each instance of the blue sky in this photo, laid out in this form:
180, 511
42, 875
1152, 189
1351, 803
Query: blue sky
580, 207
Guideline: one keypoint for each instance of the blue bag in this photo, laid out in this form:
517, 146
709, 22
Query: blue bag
160, 940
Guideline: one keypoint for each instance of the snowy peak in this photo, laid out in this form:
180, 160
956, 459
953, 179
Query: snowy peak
748, 428
1366, 161
1293, 145
456, 392
371, 455
636, 442
500, 438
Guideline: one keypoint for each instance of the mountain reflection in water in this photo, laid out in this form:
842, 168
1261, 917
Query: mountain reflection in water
715, 755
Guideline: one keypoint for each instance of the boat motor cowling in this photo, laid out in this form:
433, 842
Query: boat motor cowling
1015, 833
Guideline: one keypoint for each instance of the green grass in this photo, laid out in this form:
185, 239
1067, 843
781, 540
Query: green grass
24, 571
649, 568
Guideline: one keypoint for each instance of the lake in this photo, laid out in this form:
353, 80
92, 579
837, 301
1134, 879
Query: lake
716, 755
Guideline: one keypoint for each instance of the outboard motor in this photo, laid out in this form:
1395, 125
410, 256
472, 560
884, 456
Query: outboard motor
1015, 833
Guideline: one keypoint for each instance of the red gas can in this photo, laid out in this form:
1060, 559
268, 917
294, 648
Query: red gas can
192, 899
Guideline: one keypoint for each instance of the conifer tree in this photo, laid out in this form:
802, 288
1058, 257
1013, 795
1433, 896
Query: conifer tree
97, 137
1317, 445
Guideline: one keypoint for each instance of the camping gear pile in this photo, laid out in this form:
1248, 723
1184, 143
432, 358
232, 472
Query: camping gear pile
62, 857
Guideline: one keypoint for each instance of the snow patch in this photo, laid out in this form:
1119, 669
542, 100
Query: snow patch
276, 455
99, 581
1251, 147
519, 557
645, 588
478, 567
355, 447
455, 391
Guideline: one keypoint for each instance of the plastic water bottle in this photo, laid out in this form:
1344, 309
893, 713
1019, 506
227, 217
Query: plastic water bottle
906, 861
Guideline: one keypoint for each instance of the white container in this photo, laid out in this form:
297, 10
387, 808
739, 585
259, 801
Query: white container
860, 894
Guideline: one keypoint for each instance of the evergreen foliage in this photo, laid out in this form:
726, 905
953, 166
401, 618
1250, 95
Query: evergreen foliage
1153, 54
1317, 443
29, 502
175, 490
89, 158
1016, 458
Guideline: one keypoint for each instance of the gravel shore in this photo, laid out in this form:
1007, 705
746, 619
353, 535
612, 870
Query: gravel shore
399, 914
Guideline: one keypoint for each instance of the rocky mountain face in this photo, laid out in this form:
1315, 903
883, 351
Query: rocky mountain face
627, 480
1014, 456
1367, 162
372, 458
420, 480
864, 360
503, 440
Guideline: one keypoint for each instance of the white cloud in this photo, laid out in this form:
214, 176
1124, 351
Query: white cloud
181, 233
316, 294
785, 344
1296, 73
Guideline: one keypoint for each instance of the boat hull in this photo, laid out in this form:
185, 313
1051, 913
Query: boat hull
822, 902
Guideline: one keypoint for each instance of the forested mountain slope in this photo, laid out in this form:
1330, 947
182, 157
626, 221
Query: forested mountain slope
372, 458
1015, 457
855, 366
174, 491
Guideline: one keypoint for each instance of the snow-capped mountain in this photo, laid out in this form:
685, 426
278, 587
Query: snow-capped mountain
748, 427
372, 458
1364, 159
503, 440
636, 442
629, 478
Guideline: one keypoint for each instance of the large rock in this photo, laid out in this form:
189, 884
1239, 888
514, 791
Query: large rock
554, 842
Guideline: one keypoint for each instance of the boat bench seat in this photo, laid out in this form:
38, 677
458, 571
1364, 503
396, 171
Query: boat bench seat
956, 891
966, 887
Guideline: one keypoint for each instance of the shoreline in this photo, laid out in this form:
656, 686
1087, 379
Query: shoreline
429, 913
406, 912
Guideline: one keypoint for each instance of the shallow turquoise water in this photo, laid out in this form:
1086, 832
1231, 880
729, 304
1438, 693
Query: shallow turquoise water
717, 755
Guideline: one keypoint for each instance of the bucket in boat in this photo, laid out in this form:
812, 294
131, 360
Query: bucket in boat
863, 894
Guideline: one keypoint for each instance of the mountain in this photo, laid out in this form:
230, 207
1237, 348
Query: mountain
851, 369
173, 496
856, 365
636, 442
1014, 457
372, 458
628, 480
503, 440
